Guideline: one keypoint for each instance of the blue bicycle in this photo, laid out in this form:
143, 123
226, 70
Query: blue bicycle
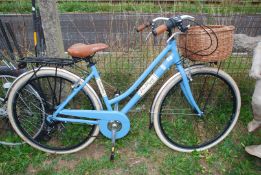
194, 110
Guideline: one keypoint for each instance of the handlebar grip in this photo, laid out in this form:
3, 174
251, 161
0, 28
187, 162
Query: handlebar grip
160, 29
141, 27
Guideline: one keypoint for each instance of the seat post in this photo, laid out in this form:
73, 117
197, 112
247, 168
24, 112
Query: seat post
90, 60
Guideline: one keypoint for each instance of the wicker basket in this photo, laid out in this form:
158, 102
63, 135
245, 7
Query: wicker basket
196, 43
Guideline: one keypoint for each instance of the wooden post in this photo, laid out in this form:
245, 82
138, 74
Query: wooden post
52, 28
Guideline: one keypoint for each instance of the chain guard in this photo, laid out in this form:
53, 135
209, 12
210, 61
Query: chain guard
103, 118
123, 131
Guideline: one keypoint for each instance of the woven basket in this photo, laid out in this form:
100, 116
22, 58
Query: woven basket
196, 43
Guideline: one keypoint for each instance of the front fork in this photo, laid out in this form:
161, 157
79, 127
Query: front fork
187, 90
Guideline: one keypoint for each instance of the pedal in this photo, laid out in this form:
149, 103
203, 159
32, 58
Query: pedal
112, 154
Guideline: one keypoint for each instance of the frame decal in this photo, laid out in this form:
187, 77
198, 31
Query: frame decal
147, 85
101, 88
163, 67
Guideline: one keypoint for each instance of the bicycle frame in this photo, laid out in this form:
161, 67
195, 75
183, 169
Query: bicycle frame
170, 60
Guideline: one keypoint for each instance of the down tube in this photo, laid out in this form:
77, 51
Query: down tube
167, 63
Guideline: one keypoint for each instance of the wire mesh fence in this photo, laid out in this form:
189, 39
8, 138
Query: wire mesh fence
129, 54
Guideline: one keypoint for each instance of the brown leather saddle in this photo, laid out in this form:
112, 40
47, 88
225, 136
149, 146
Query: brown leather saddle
84, 51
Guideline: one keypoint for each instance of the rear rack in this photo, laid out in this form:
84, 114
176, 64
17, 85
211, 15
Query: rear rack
50, 61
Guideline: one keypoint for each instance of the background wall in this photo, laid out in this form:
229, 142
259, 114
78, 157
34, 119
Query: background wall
129, 54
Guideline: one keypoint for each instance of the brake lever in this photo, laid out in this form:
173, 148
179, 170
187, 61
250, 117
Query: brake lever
184, 29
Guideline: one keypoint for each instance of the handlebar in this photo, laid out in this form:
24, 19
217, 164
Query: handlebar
183, 17
160, 18
141, 27
160, 29
170, 24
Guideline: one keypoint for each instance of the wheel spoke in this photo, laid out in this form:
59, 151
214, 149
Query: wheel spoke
182, 127
39, 98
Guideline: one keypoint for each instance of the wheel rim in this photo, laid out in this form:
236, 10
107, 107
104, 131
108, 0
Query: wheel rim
182, 128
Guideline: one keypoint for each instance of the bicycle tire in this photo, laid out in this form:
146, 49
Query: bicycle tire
194, 133
52, 138
8, 136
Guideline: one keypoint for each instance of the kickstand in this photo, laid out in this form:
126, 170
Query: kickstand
113, 145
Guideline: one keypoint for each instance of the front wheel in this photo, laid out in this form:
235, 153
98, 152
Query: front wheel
177, 124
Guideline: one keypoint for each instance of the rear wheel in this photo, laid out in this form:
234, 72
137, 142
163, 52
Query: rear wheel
180, 128
53, 87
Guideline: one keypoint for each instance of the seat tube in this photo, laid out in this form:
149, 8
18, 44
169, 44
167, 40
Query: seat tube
101, 87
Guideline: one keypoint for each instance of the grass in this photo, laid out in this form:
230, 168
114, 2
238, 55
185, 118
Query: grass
141, 152
143, 7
